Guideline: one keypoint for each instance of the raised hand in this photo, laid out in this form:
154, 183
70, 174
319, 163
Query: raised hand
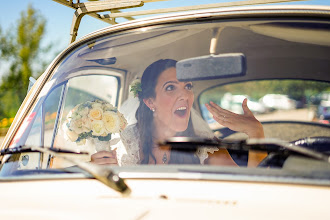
245, 123
105, 158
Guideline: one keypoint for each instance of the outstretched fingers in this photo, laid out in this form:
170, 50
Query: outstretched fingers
219, 114
246, 109
245, 123
217, 110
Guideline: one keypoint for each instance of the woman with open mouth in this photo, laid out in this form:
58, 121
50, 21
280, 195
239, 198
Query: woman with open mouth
165, 110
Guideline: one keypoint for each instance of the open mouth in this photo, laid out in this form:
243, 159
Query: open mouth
181, 112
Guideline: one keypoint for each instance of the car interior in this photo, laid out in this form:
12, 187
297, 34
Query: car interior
273, 50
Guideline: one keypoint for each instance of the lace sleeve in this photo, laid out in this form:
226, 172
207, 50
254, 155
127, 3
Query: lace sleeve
203, 153
128, 147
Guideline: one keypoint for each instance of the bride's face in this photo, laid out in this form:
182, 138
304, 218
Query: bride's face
173, 102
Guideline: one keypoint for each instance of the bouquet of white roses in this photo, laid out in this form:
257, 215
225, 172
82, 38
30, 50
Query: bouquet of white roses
93, 119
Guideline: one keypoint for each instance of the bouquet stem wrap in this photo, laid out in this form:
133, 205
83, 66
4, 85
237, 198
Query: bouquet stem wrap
101, 145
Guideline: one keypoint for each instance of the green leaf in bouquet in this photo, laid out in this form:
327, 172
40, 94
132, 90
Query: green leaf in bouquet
105, 138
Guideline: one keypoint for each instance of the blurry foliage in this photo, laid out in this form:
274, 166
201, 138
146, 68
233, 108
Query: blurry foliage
5, 122
20, 49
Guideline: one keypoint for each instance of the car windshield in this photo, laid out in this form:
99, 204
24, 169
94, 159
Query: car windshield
119, 92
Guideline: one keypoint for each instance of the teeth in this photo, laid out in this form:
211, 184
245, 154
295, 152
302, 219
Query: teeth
182, 108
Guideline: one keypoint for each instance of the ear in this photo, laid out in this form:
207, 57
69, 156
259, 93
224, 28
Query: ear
149, 102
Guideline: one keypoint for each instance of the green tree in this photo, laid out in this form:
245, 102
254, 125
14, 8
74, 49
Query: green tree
20, 48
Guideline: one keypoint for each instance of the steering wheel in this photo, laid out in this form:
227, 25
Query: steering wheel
319, 144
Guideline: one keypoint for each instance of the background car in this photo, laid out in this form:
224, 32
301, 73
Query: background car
278, 101
259, 51
324, 111
316, 99
234, 104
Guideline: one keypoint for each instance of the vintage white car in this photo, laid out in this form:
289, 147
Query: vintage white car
46, 170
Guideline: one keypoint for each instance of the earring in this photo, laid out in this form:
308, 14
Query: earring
152, 109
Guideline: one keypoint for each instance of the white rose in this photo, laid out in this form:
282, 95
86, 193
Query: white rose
77, 126
97, 127
96, 105
84, 112
111, 121
86, 124
95, 113
73, 136
75, 116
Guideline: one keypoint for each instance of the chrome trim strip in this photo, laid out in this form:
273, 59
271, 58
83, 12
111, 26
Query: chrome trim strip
224, 177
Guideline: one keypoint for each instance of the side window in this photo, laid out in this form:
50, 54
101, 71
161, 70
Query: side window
80, 90
87, 88
40, 128
40, 132
273, 102
50, 109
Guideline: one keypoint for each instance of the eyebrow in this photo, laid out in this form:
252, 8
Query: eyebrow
175, 82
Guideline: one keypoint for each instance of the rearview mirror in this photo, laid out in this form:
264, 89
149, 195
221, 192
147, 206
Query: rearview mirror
211, 67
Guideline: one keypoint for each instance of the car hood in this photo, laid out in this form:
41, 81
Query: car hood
161, 199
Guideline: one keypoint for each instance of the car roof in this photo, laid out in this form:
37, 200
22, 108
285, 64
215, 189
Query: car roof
260, 26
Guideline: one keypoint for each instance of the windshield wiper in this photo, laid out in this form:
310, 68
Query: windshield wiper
267, 144
290, 147
30, 149
103, 174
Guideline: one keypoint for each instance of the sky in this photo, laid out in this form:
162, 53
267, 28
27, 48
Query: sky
59, 17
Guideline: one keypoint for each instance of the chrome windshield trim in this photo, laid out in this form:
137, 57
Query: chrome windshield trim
224, 177
223, 13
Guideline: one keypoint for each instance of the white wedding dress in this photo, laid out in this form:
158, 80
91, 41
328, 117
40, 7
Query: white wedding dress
128, 147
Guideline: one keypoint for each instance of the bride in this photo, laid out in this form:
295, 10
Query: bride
165, 110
